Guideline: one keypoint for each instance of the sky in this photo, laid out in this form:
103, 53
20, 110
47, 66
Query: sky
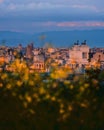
51, 15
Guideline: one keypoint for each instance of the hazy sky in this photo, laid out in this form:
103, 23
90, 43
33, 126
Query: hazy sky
47, 15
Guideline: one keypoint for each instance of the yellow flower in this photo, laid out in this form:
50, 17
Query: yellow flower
82, 88
53, 98
59, 73
32, 111
61, 111
1, 85
31, 83
28, 98
19, 66
4, 76
70, 108
35, 95
42, 90
26, 77
25, 104
9, 86
86, 85
61, 105
20, 97
67, 82
83, 105
54, 85
19, 83
71, 86
47, 96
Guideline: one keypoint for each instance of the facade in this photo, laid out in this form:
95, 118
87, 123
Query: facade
29, 51
79, 55
97, 58
39, 62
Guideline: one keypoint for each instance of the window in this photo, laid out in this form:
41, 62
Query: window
84, 55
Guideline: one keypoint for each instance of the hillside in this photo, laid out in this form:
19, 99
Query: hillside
57, 38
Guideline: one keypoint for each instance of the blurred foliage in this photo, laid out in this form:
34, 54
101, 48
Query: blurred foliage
43, 101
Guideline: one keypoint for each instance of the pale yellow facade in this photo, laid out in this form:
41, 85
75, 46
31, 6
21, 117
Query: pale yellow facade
79, 54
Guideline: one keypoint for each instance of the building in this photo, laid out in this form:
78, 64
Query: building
29, 51
38, 61
79, 55
98, 59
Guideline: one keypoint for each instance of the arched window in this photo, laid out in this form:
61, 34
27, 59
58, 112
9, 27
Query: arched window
39, 66
42, 65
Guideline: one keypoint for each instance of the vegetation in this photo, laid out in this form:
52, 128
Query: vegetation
34, 101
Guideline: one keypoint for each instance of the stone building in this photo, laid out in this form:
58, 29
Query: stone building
29, 51
98, 58
79, 55
38, 61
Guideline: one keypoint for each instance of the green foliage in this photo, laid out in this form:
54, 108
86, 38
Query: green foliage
33, 101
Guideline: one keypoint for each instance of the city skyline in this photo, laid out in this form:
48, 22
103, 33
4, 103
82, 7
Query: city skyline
46, 15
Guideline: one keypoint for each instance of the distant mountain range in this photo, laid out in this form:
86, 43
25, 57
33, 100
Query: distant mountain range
94, 38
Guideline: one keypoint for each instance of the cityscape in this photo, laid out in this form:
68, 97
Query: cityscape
77, 57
